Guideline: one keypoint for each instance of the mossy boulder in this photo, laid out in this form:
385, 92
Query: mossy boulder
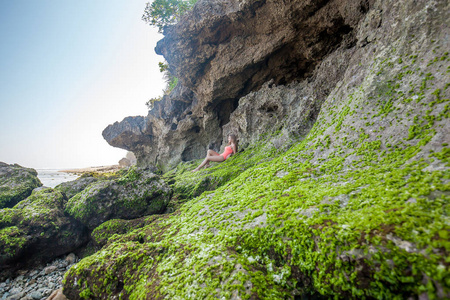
137, 193
16, 183
71, 188
36, 230
108, 229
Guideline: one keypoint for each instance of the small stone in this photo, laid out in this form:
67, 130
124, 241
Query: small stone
281, 174
71, 258
36, 295
50, 269
57, 295
15, 290
33, 273
45, 291
17, 296
63, 265
411, 201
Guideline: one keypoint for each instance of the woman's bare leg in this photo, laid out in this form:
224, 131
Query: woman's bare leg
215, 158
211, 153
204, 162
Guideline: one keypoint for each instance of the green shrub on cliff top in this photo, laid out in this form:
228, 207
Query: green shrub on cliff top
161, 13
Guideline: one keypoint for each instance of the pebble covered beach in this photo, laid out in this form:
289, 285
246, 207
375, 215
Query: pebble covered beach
39, 283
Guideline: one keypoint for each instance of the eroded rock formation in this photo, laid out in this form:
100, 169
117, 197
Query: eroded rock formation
222, 51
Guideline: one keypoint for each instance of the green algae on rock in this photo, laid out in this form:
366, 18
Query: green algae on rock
36, 230
71, 188
187, 185
16, 183
135, 194
108, 229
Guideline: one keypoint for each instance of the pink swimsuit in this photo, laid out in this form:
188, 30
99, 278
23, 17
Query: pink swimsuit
228, 151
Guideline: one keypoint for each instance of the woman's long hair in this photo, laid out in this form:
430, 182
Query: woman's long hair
233, 140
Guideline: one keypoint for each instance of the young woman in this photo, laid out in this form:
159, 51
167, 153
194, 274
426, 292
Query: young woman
212, 155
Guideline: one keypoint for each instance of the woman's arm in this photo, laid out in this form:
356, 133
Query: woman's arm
233, 146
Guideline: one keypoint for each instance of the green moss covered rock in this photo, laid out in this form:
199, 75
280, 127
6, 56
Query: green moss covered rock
36, 230
16, 183
108, 229
135, 194
71, 188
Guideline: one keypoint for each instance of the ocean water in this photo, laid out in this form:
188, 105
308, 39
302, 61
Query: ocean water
52, 178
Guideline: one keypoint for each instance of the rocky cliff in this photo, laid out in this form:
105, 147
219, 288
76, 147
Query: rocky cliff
223, 50
342, 189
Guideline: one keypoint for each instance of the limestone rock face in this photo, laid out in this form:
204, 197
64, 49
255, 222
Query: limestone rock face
223, 50
124, 162
136, 194
71, 188
37, 230
16, 183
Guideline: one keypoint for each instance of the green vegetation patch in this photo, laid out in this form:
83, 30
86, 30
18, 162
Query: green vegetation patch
12, 240
187, 184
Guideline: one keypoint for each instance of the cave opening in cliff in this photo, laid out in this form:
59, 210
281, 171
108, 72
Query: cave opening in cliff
224, 110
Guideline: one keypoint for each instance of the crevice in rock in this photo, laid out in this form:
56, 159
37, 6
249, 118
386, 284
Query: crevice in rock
224, 109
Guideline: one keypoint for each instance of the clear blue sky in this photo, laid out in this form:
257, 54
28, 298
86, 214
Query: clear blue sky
67, 70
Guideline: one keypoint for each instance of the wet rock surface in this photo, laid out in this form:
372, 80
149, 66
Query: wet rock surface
38, 283
36, 230
136, 194
71, 188
16, 183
